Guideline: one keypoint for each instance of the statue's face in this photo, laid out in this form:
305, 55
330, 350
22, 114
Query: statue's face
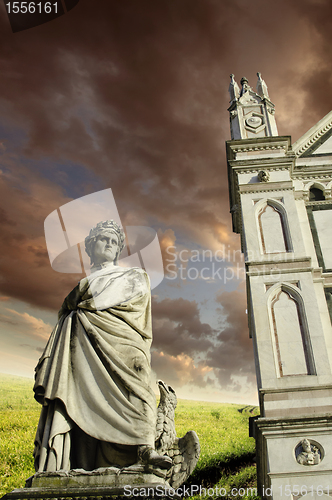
105, 248
306, 446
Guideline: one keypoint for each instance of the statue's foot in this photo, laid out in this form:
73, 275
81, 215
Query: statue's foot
151, 457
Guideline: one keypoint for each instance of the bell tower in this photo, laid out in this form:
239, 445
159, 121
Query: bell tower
251, 113
281, 205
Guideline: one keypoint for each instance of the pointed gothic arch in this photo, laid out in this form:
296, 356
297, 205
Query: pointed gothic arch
273, 227
290, 332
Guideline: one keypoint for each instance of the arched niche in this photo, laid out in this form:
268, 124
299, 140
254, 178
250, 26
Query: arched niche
273, 228
290, 333
316, 191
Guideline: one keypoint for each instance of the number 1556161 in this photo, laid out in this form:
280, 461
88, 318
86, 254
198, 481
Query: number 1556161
31, 7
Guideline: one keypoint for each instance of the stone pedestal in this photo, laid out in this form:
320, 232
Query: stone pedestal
131, 482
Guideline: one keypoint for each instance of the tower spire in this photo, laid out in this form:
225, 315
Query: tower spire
251, 113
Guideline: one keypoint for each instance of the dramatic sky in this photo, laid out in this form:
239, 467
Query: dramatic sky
133, 95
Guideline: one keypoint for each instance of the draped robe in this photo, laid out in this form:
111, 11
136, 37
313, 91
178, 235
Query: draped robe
93, 378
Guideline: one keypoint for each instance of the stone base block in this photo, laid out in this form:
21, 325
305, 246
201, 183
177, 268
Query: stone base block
144, 491
104, 476
131, 482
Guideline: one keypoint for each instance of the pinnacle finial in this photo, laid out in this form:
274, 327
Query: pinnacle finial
261, 87
234, 90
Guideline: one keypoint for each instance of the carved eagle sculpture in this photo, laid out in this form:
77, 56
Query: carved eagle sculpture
183, 451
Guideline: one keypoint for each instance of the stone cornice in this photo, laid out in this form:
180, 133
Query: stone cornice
272, 144
278, 270
313, 420
266, 147
243, 170
327, 277
317, 176
297, 389
310, 137
265, 187
315, 203
282, 257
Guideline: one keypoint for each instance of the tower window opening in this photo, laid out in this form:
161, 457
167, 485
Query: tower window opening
316, 194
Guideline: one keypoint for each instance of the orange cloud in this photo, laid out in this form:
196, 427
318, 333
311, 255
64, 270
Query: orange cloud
29, 325
179, 370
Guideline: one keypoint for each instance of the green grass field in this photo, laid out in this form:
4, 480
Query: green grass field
227, 453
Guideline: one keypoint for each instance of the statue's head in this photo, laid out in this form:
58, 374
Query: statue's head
306, 446
263, 176
105, 242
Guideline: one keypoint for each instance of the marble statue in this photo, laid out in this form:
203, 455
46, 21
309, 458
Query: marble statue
309, 455
93, 379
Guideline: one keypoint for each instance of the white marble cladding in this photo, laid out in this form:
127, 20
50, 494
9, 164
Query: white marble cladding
297, 403
285, 222
288, 315
316, 344
279, 247
279, 191
283, 242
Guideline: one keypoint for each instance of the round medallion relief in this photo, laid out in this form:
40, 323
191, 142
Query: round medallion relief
309, 452
254, 121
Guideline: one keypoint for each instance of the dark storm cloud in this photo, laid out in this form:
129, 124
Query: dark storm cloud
26, 273
188, 350
135, 93
177, 328
107, 88
234, 356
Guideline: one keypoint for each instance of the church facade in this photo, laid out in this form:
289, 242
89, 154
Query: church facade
281, 205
